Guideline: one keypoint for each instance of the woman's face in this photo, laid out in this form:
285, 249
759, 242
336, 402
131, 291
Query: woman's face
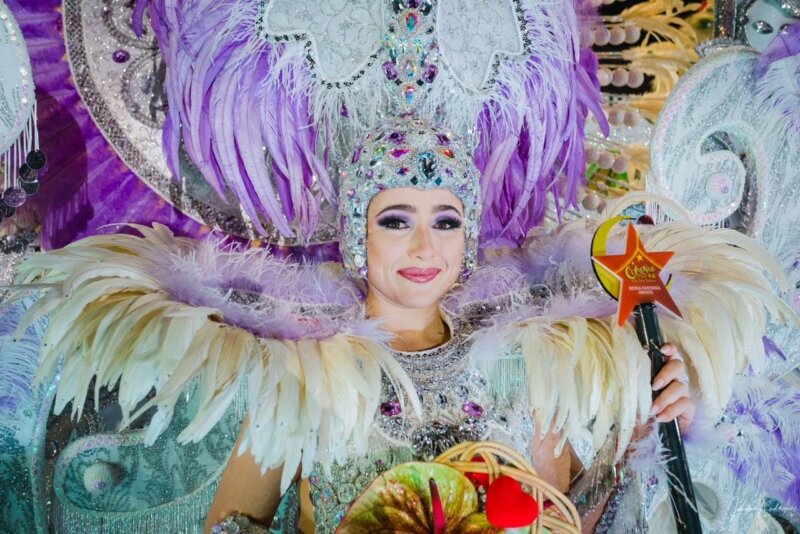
415, 245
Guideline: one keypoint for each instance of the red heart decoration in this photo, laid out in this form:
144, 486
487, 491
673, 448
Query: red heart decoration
507, 506
479, 480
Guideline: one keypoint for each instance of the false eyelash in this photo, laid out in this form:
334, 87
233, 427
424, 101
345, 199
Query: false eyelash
392, 222
452, 223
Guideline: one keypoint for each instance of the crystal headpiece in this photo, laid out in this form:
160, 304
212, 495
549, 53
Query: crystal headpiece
406, 152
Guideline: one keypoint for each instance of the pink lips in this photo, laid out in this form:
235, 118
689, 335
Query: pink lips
419, 276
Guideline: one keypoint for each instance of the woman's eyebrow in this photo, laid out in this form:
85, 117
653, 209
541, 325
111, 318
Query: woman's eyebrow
399, 207
445, 207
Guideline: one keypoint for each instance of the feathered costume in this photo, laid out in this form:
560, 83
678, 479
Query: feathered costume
154, 312
267, 109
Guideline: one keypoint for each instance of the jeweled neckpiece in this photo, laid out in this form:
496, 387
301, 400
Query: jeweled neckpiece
406, 152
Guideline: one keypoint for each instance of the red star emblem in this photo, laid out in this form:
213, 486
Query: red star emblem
639, 273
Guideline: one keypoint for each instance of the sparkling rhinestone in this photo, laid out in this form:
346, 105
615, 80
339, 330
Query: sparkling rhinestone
30, 188
409, 93
430, 73
411, 22
427, 164
390, 409
36, 159
27, 174
390, 70
121, 55
399, 152
472, 409
14, 197
398, 138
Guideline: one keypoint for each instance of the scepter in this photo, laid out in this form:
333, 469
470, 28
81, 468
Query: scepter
634, 280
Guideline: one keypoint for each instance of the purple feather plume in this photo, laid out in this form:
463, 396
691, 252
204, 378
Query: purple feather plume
219, 90
233, 101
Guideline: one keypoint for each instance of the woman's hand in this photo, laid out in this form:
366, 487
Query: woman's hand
674, 400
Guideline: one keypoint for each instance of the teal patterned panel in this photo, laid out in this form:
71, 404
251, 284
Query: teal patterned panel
166, 487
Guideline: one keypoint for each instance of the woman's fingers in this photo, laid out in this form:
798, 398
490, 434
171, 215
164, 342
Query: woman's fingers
671, 394
672, 370
669, 350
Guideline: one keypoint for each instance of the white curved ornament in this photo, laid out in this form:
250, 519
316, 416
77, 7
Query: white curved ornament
16, 81
471, 38
718, 149
343, 33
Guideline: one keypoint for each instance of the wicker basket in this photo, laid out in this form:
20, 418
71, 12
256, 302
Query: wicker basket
561, 518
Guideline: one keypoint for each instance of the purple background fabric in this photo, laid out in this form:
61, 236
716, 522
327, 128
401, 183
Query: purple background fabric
86, 185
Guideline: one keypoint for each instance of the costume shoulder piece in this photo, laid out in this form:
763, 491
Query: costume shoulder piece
584, 371
154, 312
157, 311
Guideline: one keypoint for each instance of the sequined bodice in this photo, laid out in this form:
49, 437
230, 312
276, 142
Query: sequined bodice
459, 403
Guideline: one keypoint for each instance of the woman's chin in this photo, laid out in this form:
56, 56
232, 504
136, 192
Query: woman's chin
421, 296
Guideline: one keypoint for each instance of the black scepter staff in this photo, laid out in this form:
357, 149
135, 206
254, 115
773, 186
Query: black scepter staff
633, 278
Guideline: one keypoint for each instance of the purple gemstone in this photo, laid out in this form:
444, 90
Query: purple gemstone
344, 112
357, 154
398, 138
399, 152
412, 4
472, 409
14, 197
443, 139
390, 70
390, 409
430, 73
100, 485
121, 55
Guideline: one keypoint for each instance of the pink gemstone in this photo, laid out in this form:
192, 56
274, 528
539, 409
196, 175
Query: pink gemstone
399, 152
390, 409
472, 409
446, 152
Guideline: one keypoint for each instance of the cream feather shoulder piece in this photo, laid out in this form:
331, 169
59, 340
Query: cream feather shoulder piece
586, 374
154, 312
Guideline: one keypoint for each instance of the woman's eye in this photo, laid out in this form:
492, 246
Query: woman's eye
393, 223
448, 223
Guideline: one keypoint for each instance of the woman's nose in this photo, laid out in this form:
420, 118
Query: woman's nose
421, 245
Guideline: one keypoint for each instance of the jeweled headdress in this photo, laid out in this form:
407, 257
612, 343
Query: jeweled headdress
406, 152
270, 98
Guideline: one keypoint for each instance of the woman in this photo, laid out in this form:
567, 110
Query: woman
420, 240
